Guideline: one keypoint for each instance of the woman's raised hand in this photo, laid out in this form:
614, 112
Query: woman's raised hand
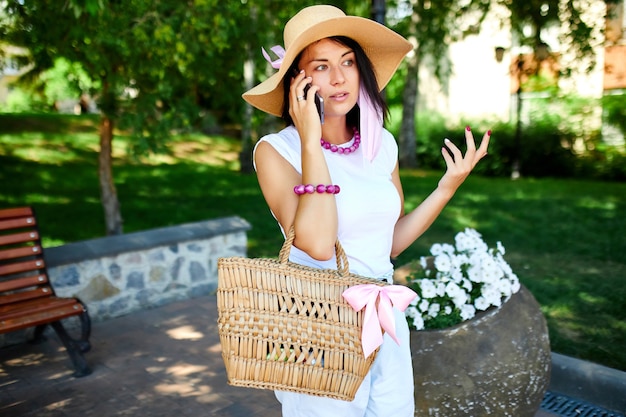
458, 165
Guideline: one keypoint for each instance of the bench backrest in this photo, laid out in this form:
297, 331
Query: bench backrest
23, 274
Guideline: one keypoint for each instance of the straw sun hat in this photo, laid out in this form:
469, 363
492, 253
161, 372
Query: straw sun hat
383, 47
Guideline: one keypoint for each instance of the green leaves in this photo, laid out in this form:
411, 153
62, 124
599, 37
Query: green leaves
91, 7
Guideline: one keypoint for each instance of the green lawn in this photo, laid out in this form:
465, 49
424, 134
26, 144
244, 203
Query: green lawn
566, 239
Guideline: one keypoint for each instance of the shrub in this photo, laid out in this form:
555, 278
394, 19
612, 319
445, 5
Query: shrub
559, 139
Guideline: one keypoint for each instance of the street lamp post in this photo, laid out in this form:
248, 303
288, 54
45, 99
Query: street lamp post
378, 11
379, 8
517, 142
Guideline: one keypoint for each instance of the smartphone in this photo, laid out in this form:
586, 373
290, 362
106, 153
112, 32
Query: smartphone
319, 101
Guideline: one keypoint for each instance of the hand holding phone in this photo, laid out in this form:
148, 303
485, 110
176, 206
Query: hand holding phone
319, 101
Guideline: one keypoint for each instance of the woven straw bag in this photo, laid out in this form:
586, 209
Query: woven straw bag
286, 327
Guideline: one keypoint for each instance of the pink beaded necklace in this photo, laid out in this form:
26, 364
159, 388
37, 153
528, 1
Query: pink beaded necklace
345, 150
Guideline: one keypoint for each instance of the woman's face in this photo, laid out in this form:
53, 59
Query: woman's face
333, 68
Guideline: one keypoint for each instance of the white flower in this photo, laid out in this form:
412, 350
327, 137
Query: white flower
474, 273
492, 295
415, 316
418, 323
460, 299
506, 268
411, 312
447, 249
441, 289
452, 290
468, 311
481, 303
428, 288
456, 275
469, 240
500, 248
442, 263
490, 270
436, 249
459, 260
434, 309
457, 294
463, 242
464, 278
505, 287
515, 285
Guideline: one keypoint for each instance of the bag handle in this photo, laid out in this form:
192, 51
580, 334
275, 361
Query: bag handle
340, 254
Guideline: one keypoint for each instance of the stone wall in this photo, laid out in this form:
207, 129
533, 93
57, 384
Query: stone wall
117, 275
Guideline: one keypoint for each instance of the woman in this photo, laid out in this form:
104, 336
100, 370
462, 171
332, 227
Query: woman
339, 179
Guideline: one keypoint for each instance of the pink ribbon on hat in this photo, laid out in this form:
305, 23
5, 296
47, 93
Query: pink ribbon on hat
280, 53
371, 125
365, 296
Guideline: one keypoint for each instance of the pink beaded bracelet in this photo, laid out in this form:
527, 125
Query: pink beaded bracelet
321, 188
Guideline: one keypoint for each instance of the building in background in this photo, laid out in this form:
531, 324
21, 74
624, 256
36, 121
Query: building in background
10, 70
615, 65
488, 69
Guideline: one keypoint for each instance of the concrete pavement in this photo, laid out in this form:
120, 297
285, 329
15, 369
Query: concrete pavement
160, 362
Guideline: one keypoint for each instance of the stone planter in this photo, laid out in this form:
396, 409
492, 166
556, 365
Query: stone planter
497, 364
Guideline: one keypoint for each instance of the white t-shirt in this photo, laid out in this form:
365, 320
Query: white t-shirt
368, 205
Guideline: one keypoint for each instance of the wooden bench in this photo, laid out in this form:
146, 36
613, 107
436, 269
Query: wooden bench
27, 298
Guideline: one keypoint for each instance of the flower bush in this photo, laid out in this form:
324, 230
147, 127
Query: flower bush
458, 281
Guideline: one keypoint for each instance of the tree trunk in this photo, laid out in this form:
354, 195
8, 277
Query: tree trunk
108, 194
407, 141
378, 11
245, 156
407, 137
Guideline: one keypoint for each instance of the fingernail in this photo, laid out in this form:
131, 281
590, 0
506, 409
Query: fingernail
489, 132
446, 140
468, 128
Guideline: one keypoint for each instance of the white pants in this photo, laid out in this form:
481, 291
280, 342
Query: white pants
387, 389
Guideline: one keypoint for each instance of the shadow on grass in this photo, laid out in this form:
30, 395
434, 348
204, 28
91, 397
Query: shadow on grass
48, 123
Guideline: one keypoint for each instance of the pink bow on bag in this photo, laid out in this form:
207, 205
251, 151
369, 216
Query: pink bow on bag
365, 296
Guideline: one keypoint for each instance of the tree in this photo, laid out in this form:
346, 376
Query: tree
154, 63
430, 27
161, 67
433, 25
167, 66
